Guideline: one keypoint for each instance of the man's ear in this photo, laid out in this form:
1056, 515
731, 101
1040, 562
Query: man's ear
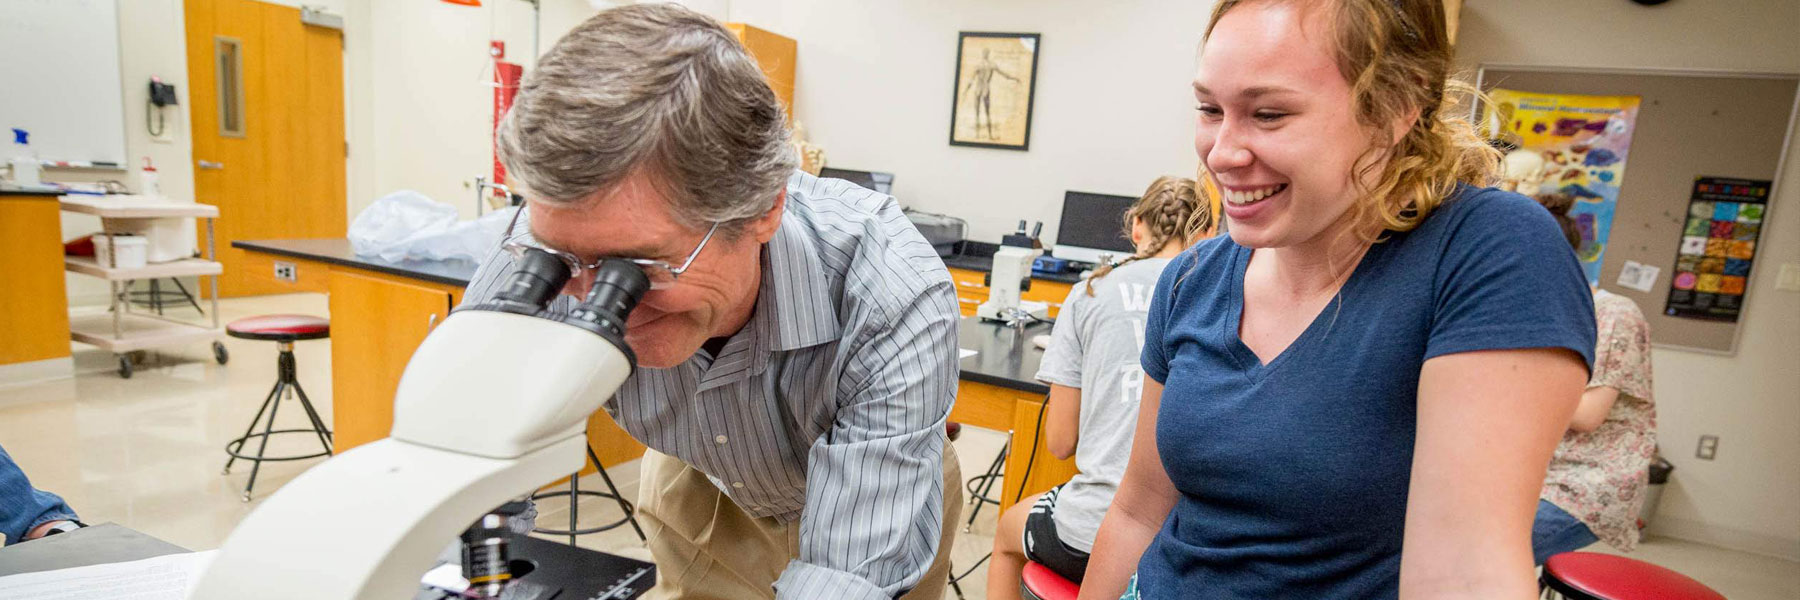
765, 226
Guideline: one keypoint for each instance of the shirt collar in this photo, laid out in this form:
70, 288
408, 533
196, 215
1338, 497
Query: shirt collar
794, 307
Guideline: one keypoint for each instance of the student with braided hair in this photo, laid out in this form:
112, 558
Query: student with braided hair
1095, 380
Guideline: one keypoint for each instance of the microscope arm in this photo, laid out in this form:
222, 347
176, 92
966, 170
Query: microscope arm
369, 522
492, 406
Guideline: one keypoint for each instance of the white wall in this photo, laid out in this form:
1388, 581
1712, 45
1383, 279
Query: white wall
1112, 112
420, 113
874, 83
420, 108
152, 42
1746, 498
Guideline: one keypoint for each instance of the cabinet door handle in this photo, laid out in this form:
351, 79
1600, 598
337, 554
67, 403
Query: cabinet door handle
431, 322
970, 284
211, 164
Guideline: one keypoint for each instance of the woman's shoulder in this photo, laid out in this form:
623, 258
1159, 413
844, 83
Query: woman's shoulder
1200, 269
1486, 208
1144, 268
1610, 307
1214, 252
1477, 221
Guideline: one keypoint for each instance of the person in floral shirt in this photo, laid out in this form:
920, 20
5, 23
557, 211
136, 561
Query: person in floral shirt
1598, 475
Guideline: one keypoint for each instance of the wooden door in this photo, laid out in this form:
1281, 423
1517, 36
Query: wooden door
268, 127
376, 324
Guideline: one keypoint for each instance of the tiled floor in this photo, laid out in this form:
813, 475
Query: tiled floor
146, 453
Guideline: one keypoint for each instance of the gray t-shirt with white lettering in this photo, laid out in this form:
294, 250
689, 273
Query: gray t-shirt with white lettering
1095, 347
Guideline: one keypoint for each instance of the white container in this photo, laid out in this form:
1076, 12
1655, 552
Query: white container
131, 253
25, 170
169, 238
147, 182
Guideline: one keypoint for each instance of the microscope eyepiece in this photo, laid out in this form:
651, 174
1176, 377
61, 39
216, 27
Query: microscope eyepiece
618, 285
538, 278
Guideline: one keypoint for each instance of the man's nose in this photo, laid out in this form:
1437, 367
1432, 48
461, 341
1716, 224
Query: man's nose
579, 284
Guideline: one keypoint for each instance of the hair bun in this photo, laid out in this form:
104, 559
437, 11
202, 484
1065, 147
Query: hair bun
1558, 204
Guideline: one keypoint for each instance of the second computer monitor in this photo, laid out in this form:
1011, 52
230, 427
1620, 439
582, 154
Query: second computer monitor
1092, 228
880, 182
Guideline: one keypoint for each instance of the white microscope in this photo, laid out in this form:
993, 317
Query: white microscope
1010, 276
493, 405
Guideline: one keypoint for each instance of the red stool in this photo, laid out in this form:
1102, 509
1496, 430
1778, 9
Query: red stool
1041, 583
284, 330
1594, 576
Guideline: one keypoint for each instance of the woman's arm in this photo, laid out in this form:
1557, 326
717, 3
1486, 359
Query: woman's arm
1488, 422
1063, 429
1142, 503
1596, 403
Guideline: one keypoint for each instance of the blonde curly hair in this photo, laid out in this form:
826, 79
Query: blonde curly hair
1396, 54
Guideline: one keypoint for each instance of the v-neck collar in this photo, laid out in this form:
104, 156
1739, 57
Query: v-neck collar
1252, 366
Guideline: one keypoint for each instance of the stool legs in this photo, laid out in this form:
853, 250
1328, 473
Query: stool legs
575, 494
614, 490
263, 446
274, 393
287, 383
981, 485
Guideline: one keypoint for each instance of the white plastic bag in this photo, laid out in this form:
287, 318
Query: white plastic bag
408, 225
465, 240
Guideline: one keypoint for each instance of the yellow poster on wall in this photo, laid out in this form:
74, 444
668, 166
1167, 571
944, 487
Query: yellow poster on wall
1570, 144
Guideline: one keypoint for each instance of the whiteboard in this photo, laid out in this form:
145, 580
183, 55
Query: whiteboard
59, 62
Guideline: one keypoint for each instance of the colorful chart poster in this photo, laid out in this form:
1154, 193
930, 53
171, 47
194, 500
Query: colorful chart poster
1718, 242
1571, 144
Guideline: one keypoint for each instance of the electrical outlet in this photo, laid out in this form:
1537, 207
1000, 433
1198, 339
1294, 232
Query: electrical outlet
1709, 447
285, 271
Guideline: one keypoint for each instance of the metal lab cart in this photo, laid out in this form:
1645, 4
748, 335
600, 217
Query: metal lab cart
122, 331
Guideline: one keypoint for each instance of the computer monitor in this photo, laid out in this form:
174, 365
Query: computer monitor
1092, 227
880, 182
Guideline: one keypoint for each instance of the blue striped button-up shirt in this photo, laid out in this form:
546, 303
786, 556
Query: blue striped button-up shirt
829, 405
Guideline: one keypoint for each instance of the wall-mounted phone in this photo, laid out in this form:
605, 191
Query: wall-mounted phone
162, 95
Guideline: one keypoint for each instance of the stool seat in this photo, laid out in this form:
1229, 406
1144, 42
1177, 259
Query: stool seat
281, 328
953, 430
1044, 584
1595, 576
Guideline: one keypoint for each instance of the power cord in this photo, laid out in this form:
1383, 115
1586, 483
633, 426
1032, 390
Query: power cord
972, 568
161, 120
1031, 458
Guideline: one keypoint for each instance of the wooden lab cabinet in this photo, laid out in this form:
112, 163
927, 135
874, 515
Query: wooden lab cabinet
34, 311
775, 54
376, 325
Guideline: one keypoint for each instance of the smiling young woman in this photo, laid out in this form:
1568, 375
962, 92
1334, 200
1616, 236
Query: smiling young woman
1355, 393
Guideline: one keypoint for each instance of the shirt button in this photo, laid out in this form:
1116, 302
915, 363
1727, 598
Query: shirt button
737, 484
719, 439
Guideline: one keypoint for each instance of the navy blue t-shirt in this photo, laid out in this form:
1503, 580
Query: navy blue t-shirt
1293, 475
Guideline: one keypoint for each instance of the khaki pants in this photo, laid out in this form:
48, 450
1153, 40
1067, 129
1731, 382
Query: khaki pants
706, 547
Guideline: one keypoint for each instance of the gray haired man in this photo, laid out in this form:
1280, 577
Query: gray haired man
797, 348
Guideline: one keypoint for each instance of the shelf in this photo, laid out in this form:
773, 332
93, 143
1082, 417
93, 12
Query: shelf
86, 265
136, 207
137, 332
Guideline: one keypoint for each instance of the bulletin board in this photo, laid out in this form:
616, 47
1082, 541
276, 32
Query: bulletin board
1690, 125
